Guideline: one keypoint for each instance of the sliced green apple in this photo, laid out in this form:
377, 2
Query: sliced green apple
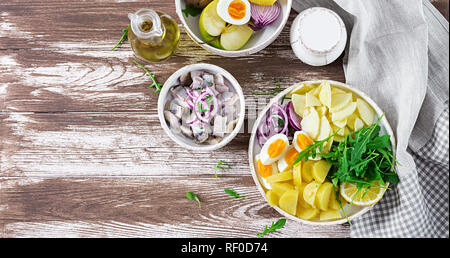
211, 25
217, 33
235, 37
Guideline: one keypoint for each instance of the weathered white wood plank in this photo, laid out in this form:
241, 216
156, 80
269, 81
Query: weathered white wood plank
98, 144
141, 207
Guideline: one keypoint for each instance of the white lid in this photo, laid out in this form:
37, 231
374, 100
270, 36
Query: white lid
318, 36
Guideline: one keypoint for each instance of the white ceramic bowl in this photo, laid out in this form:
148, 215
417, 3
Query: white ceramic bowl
257, 42
254, 149
182, 140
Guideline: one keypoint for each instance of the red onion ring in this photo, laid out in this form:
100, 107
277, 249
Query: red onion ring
270, 126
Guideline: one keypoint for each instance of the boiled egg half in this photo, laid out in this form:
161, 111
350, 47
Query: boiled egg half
301, 141
235, 12
274, 148
285, 163
264, 171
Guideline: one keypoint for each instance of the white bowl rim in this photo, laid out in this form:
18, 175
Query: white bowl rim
237, 53
170, 83
275, 99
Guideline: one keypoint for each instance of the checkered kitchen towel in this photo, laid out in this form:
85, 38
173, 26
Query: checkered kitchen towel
397, 52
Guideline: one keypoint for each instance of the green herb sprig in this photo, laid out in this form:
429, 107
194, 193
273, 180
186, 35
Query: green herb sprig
219, 166
363, 158
154, 84
273, 228
123, 38
193, 197
276, 91
234, 194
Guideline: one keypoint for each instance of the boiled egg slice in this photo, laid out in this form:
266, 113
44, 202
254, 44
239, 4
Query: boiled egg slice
264, 171
301, 141
235, 12
285, 163
274, 148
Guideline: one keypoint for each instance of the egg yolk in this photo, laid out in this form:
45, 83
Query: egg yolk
276, 148
303, 141
264, 170
237, 9
291, 156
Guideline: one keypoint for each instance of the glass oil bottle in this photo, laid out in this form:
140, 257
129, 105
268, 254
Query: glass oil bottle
154, 36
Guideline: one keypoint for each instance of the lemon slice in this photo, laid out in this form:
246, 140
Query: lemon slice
263, 2
365, 197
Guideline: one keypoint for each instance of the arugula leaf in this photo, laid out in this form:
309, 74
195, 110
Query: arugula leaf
192, 11
193, 197
234, 194
363, 158
273, 228
218, 166
123, 38
155, 84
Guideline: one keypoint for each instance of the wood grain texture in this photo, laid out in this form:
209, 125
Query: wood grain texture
82, 153
140, 207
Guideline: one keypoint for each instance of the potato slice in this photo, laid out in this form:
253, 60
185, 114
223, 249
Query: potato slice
351, 121
302, 88
288, 202
339, 101
334, 204
330, 215
299, 102
309, 193
301, 202
338, 130
280, 188
335, 90
338, 138
272, 198
307, 171
322, 110
365, 111
325, 94
311, 100
315, 91
341, 123
347, 131
325, 129
320, 170
344, 113
297, 174
311, 123
358, 124
279, 177
307, 213
323, 196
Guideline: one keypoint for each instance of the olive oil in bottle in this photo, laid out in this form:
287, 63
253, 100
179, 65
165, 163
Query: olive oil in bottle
154, 36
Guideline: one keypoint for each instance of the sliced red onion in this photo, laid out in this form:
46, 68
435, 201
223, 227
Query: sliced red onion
263, 15
294, 119
271, 124
211, 108
191, 93
214, 106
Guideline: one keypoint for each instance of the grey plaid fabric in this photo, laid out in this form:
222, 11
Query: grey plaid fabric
419, 205
387, 58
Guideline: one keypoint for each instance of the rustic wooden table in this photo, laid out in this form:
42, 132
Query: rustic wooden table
82, 153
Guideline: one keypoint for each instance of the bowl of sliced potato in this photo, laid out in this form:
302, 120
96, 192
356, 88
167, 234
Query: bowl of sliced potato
322, 153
